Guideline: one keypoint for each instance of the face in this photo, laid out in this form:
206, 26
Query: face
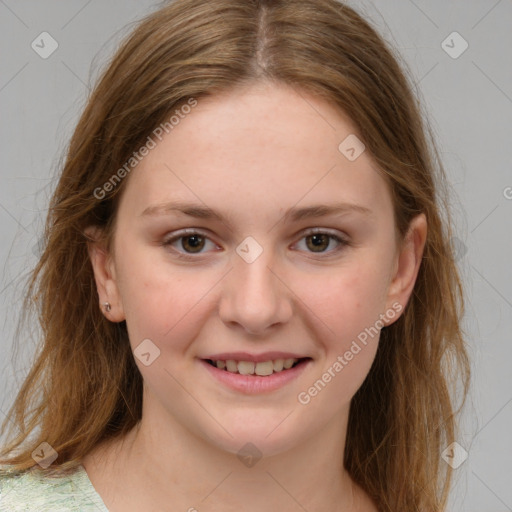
246, 235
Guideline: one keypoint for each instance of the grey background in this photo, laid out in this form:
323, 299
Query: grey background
468, 100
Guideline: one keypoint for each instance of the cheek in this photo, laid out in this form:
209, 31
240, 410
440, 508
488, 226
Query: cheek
349, 303
351, 311
161, 302
347, 299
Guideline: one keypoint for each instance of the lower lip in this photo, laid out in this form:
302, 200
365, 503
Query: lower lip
253, 384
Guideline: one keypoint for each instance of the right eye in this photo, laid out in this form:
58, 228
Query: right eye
187, 242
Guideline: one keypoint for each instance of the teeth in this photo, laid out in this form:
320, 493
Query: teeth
288, 363
278, 365
231, 366
263, 368
246, 368
266, 368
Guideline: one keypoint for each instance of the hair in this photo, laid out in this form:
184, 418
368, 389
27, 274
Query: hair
84, 387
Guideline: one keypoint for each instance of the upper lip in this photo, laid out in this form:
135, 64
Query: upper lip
256, 358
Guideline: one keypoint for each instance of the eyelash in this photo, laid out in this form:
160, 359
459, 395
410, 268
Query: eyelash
167, 242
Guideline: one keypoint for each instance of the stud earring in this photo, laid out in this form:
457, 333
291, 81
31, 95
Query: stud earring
106, 306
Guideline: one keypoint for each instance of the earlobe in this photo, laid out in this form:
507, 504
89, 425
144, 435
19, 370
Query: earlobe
104, 275
408, 263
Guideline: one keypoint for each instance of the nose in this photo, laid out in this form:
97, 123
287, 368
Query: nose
254, 297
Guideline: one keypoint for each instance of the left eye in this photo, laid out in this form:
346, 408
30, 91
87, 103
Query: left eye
193, 242
319, 241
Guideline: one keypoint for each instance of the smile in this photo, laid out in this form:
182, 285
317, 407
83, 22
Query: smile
251, 377
263, 368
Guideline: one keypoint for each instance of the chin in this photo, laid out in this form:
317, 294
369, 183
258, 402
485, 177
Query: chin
259, 439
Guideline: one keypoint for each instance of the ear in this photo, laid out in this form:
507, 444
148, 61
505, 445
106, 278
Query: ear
104, 275
407, 264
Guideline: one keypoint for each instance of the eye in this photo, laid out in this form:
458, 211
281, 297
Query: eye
318, 241
188, 240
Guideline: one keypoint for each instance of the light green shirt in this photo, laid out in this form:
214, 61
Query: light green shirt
31, 492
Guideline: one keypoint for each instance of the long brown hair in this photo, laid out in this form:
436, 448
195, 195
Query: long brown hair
84, 387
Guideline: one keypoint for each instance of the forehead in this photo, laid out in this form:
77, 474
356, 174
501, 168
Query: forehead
263, 146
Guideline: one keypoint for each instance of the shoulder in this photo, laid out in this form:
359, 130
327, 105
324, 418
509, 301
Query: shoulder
32, 491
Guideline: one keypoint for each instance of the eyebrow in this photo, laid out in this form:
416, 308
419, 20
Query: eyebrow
293, 214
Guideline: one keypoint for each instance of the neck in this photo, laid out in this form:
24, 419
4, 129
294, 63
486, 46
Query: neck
184, 469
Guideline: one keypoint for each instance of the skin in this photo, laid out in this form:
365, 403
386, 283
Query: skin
249, 154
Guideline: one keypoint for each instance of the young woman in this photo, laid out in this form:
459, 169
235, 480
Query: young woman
247, 293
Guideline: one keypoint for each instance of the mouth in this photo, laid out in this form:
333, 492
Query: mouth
255, 377
257, 369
